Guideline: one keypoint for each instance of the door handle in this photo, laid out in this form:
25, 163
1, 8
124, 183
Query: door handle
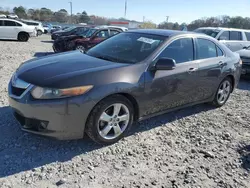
191, 70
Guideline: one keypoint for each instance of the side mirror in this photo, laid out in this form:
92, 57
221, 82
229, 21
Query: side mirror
165, 64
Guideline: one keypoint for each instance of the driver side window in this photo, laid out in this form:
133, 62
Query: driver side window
181, 50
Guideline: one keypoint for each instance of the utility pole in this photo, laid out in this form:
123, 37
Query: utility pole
70, 11
125, 13
167, 17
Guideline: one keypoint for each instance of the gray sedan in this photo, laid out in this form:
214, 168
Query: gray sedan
129, 77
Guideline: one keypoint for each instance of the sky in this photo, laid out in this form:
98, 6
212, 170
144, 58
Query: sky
153, 10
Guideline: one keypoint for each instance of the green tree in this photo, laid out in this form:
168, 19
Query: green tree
84, 18
20, 12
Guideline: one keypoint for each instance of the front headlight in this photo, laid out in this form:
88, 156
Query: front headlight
48, 93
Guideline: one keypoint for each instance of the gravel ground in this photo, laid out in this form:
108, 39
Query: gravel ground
194, 147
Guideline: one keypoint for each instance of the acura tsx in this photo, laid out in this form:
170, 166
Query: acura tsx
129, 77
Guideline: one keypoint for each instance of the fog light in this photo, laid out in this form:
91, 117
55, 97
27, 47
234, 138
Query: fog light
43, 125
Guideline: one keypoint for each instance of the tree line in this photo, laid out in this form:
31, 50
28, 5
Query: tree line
62, 16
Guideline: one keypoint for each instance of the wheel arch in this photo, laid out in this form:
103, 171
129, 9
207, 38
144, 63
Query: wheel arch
231, 77
128, 96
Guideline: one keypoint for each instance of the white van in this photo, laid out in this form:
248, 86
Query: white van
234, 39
15, 30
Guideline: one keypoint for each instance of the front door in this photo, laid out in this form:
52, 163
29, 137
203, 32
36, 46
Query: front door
166, 89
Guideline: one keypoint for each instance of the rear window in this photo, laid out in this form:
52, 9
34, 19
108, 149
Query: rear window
247, 35
211, 32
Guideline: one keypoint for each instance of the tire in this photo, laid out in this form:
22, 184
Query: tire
23, 37
103, 120
39, 32
224, 89
80, 47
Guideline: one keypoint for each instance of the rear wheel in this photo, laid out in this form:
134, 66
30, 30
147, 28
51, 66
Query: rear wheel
39, 32
23, 37
223, 92
80, 47
110, 120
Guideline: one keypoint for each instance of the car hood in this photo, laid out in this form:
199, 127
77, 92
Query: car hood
57, 70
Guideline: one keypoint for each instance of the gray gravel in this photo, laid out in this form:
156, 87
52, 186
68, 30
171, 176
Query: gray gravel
194, 147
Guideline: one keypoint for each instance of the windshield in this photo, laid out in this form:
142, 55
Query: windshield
210, 32
90, 33
127, 47
69, 29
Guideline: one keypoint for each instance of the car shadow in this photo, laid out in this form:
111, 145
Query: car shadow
244, 84
245, 157
42, 54
47, 41
20, 151
9, 40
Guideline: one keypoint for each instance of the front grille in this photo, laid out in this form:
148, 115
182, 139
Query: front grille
17, 91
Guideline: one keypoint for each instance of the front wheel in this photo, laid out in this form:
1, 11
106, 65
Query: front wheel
223, 92
110, 120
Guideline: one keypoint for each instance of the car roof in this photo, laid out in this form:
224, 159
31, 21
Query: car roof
161, 32
224, 28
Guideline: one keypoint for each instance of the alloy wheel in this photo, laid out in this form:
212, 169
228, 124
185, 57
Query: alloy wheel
223, 92
113, 121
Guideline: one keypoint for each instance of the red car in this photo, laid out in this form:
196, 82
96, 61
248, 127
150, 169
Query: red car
85, 41
93, 37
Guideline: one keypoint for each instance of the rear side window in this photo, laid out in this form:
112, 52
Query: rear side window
1, 22
181, 50
248, 36
113, 32
235, 35
206, 49
224, 35
9, 23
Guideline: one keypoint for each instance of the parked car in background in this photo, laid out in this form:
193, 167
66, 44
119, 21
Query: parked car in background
84, 41
12, 16
37, 25
15, 30
3, 16
93, 37
114, 27
245, 57
66, 32
131, 76
234, 39
56, 28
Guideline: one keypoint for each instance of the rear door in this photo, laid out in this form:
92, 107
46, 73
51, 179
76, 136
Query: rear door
1, 29
211, 63
234, 40
10, 29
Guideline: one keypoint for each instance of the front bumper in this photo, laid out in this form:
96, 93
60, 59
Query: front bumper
62, 119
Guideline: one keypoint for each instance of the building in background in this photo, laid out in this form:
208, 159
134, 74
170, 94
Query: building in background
126, 23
